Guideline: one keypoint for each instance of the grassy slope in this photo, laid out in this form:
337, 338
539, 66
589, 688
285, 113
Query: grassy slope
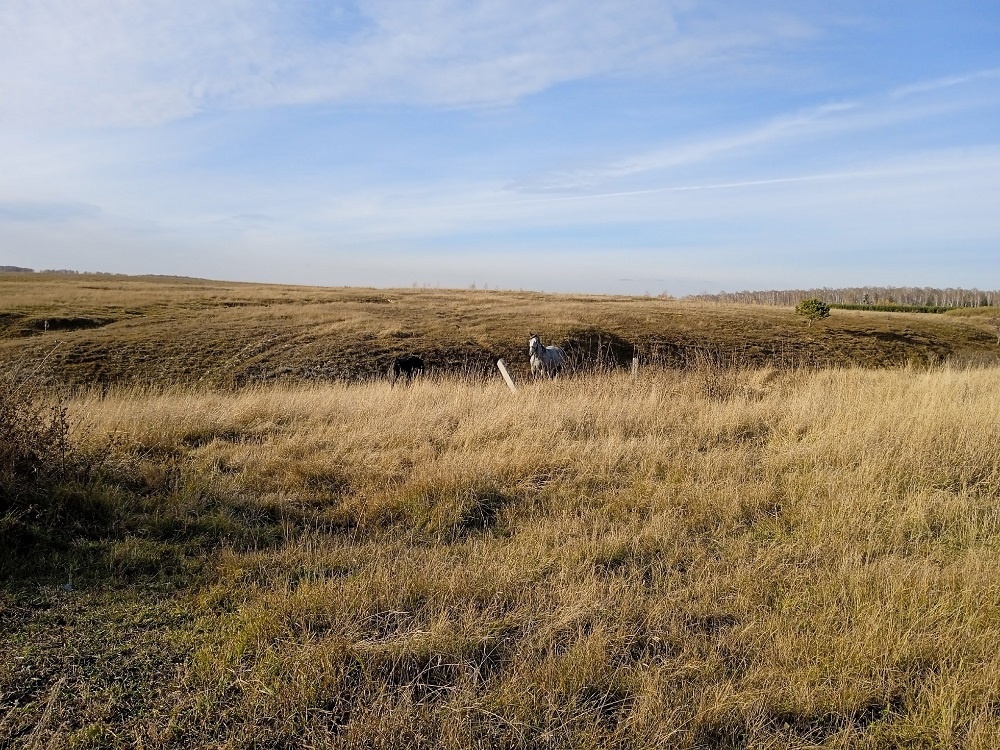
701, 558
181, 331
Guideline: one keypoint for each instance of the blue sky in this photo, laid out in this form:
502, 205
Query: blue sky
642, 146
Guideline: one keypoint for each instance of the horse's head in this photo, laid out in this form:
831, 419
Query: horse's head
534, 345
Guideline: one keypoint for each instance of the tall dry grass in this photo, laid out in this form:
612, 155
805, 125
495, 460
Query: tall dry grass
710, 558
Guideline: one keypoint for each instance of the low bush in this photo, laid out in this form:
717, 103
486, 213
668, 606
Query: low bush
34, 437
46, 484
813, 309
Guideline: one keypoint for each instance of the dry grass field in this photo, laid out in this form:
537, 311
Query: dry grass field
732, 553
113, 330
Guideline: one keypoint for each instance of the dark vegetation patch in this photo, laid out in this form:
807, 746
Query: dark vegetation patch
710, 624
798, 727
10, 319
68, 323
369, 300
21, 324
606, 705
76, 668
201, 438
594, 347
481, 510
441, 514
894, 308
422, 676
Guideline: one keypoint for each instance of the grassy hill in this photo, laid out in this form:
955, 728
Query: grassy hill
706, 556
114, 330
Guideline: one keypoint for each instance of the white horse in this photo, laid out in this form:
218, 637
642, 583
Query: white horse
545, 360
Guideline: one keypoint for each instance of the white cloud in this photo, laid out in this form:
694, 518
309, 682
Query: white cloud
694, 151
118, 62
778, 135
47, 211
935, 84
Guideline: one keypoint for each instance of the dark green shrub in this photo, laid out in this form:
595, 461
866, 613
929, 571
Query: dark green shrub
813, 309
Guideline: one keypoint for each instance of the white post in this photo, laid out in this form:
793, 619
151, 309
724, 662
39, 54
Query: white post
502, 366
635, 367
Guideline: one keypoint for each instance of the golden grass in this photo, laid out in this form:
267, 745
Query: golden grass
709, 558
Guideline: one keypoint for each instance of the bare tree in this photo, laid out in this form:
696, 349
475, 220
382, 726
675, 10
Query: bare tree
865, 295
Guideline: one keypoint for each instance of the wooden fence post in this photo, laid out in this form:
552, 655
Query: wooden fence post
502, 366
635, 367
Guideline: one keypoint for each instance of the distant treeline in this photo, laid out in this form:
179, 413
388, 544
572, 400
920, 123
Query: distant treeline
901, 299
62, 271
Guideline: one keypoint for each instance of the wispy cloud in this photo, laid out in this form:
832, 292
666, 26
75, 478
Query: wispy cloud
47, 211
830, 121
96, 63
778, 129
942, 193
946, 82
